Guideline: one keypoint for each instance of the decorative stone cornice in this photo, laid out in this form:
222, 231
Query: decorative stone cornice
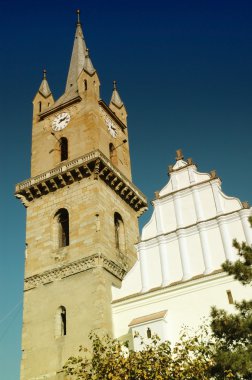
75, 267
94, 163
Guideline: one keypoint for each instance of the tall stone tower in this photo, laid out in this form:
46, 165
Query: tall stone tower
82, 211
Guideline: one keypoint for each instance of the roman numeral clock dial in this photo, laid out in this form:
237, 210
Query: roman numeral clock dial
61, 121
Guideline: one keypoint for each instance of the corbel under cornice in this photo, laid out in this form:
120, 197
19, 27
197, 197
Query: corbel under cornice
94, 163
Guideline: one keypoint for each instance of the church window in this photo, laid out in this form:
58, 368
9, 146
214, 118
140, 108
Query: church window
230, 297
62, 227
40, 106
113, 154
63, 148
119, 233
60, 322
148, 333
85, 84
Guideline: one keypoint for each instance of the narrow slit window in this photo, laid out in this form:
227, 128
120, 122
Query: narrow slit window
119, 233
148, 333
85, 84
63, 148
62, 222
40, 106
230, 297
61, 322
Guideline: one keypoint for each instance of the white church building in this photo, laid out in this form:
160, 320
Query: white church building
178, 275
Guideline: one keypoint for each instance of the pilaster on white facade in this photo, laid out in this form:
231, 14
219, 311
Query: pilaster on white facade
184, 255
165, 265
178, 210
204, 240
174, 182
217, 198
191, 172
159, 217
197, 204
226, 239
244, 215
143, 267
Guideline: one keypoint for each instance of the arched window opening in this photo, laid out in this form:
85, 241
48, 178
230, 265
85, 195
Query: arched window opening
62, 221
119, 233
40, 106
60, 322
113, 154
63, 148
85, 84
148, 333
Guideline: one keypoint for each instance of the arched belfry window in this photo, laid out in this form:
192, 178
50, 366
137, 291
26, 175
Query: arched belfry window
119, 233
63, 148
60, 322
62, 227
113, 154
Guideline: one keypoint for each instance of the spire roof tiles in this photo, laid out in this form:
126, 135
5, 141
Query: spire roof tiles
78, 57
44, 88
115, 99
88, 65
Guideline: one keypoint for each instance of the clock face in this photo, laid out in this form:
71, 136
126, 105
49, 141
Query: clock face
60, 122
111, 127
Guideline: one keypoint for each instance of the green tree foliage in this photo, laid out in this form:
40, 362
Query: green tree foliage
233, 332
110, 359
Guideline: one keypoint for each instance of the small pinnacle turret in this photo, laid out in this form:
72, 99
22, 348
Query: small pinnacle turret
115, 99
78, 56
88, 66
44, 88
179, 155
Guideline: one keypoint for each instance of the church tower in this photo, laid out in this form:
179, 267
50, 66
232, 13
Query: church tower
82, 211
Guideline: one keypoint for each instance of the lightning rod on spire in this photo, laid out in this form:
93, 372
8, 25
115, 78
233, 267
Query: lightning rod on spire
78, 17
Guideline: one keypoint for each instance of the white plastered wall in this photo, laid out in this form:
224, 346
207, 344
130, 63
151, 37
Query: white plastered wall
188, 236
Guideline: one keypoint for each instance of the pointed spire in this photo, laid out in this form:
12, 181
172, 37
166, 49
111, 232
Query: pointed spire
115, 99
78, 56
44, 88
88, 66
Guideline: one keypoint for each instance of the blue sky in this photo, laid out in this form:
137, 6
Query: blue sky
184, 71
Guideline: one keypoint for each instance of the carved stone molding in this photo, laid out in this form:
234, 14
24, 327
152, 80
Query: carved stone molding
74, 171
74, 268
